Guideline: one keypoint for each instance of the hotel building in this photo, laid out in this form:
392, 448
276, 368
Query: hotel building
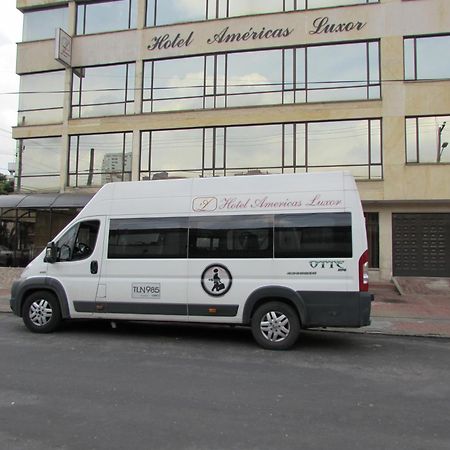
145, 89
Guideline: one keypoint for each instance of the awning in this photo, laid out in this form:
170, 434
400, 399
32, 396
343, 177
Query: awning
44, 201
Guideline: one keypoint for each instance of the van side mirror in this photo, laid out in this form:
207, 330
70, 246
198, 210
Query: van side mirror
51, 253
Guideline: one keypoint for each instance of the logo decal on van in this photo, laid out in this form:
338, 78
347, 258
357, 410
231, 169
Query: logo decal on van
339, 265
201, 204
216, 280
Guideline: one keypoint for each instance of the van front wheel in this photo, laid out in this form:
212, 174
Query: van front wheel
41, 312
275, 326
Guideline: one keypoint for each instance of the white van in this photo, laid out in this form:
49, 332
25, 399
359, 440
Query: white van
280, 253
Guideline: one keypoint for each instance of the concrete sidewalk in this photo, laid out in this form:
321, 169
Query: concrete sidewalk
406, 307
411, 306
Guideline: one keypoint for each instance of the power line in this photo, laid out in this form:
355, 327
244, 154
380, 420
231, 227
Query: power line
300, 85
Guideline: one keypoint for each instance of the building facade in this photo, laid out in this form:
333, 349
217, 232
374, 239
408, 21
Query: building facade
145, 89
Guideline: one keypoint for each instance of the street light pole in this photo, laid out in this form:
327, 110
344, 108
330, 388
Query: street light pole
441, 146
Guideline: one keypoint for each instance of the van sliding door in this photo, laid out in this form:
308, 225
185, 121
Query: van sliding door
146, 268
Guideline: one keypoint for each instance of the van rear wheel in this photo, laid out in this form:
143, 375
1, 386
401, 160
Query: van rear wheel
41, 312
275, 326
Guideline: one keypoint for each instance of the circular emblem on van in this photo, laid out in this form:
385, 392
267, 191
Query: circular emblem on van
216, 280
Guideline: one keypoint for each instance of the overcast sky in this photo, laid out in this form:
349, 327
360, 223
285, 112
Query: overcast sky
10, 34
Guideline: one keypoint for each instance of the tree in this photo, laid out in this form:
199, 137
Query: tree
6, 186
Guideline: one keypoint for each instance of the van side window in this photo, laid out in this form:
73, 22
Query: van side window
79, 241
231, 237
148, 238
325, 235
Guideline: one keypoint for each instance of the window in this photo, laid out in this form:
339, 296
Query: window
104, 91
42, 23
173, 84
427, 139
327, 235
340, 72
147, 238
106, 15
231, 237
324, 235
162, 12
353, 145
425, 58
254, 78
307, 74
173, 11
312, 4
78, 242
41, 98
39, 164
373, 238
174, 150
97, 159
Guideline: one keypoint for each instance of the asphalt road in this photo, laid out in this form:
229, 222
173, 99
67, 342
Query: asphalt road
157, 386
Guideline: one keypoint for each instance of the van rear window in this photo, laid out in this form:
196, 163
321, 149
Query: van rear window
327, 235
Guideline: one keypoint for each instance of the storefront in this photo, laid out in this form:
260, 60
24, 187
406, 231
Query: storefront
28, 222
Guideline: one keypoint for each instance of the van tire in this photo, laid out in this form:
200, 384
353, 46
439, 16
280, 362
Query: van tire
41, 312
275, 326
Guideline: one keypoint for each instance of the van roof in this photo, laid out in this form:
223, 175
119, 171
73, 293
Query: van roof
285, 191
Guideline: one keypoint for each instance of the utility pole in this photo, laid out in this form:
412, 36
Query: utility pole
91, 168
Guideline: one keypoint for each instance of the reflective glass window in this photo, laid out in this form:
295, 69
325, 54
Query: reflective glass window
428, 139
107, 15
41, 98
231, 237
254, 147
104, 91
246, 7
43, 23
173, 11
97, 159
39, 162
308, 74
425, 58
254, 78
173, 84
312, 4
162, 12
172, 150
327, 235
353, 145
341, 72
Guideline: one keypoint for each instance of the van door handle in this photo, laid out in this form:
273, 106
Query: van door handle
94, 267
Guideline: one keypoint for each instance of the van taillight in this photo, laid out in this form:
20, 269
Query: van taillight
364, 272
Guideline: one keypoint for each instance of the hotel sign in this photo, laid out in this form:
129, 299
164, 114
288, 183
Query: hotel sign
63, 48
320, 25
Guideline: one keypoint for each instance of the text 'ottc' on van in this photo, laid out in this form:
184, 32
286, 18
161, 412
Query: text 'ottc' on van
279, 253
